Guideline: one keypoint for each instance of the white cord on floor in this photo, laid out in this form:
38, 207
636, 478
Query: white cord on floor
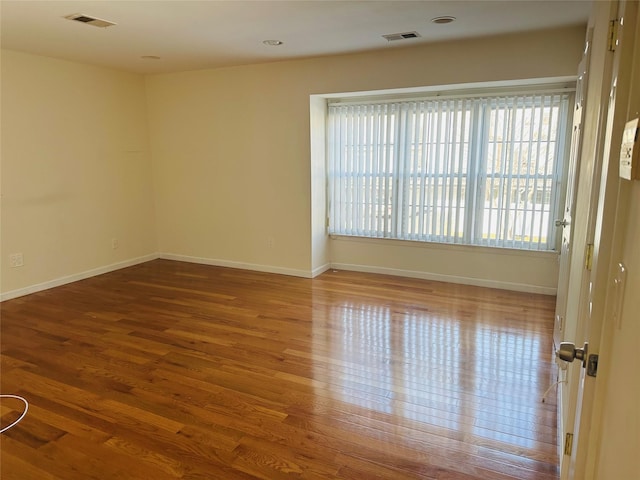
26, 408
544, 395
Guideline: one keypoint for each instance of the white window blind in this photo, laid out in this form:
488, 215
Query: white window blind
477, 170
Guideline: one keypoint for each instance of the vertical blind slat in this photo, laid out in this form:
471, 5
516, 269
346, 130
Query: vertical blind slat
536, 212
423, 170
531, 189
439, 170
416, 171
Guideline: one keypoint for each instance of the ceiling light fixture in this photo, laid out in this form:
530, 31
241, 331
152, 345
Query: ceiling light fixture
443, 19
273, 43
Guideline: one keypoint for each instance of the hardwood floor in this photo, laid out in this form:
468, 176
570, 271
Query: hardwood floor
171, 370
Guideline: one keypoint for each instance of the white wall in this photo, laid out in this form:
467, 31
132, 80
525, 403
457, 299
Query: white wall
76, 171
231, 150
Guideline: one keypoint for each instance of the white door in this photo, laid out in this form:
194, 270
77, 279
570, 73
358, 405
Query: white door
573, 286
564, 223
579, 221
618, 432
596, 300
565, 413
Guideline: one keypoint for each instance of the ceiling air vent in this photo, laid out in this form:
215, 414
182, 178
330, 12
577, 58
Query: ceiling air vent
96, 22
392, 37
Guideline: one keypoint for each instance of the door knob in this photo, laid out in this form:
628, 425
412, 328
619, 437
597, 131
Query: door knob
568, 352
561, 223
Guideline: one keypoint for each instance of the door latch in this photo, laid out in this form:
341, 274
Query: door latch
592, 365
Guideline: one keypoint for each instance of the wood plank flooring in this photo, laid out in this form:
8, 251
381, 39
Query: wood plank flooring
172, 370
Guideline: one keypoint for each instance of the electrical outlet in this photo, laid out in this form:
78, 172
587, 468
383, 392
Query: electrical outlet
16, 260
270, 242
114, 243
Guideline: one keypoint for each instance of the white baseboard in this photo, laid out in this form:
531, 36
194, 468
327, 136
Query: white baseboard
241, 265
478, 282
519, 287
20, 292
320, 270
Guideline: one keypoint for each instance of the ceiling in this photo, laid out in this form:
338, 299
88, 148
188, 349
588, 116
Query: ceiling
191, 35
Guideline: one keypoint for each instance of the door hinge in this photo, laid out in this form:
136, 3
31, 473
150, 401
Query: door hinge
588, 257
613, 35
568, 443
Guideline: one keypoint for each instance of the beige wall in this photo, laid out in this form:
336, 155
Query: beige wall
76, 170
216, 165
231, 150
231, 165
490, 267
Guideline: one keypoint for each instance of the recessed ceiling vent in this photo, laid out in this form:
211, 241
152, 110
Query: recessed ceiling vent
392, 37
96, 22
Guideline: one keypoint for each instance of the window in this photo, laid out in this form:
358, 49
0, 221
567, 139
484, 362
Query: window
478, 170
